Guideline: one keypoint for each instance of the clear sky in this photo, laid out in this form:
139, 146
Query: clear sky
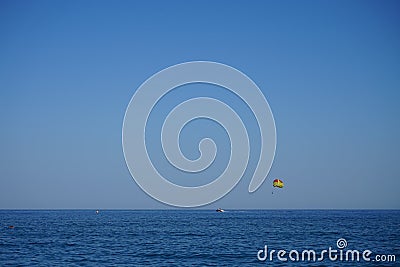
329, 69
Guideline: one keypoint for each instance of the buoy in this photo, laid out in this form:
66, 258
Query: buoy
11, 227
97, 211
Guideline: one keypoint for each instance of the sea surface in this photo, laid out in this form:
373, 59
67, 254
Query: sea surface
195, 237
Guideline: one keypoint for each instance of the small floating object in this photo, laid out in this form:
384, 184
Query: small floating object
11, 227
97, 211
219, 210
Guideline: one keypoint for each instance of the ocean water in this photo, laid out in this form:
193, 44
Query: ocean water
195, 237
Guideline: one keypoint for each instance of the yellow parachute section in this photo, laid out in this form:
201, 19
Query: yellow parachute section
277, 183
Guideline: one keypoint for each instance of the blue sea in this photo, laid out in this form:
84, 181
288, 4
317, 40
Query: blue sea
197, 237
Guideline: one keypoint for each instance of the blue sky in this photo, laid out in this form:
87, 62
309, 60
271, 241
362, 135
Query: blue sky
329, 69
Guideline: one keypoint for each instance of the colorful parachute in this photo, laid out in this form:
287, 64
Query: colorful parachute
277, 183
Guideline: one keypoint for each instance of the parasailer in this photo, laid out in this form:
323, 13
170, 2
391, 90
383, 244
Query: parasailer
277, 183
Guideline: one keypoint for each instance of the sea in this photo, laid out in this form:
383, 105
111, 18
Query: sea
200, 238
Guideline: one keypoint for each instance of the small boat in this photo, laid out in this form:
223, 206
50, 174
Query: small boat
219, 210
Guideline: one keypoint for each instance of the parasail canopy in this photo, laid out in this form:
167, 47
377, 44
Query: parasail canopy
277, 183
